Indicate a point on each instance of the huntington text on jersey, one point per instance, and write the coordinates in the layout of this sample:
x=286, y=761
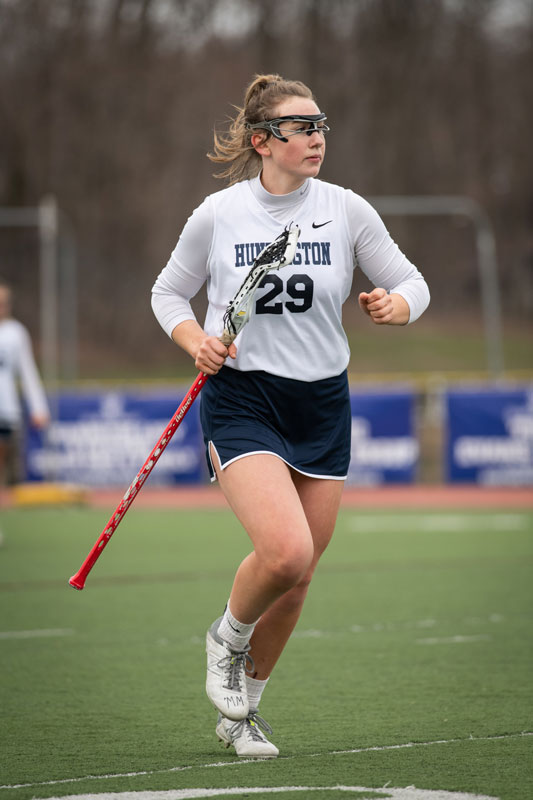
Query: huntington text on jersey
x=308, y=253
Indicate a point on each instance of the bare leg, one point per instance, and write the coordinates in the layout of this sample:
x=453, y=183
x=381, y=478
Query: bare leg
x=262, y=494
x=290, y=519
x=320, y=500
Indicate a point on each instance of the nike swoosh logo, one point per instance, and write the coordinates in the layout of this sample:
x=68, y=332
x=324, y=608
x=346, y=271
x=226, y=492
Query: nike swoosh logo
x=321, y=224
x=233, y=628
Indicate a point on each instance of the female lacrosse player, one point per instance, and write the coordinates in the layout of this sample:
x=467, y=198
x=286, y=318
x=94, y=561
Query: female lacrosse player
x=276, y=413
x=18, y=370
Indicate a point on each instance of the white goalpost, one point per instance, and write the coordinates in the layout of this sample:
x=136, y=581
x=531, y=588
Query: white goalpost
x=451, y=205
x=57, y=285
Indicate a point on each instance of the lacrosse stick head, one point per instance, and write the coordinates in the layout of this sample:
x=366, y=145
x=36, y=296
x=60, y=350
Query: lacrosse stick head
x=277, y=254
x=281, y=251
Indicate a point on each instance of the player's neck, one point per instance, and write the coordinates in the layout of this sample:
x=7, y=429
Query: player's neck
x=281, y=183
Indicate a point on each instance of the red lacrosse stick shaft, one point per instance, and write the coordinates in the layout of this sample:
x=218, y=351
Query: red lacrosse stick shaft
x=78, y=580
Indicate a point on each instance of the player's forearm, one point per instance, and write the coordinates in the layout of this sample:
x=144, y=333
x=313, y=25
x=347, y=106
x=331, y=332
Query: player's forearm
x=384, y=308
x=208, y=352
x=400, y=310
x=415, y=292
x=189, y=335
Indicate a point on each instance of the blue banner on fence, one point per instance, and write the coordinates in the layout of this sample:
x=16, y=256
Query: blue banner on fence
x=490, y=437
x=384, y=445
x=104, y=438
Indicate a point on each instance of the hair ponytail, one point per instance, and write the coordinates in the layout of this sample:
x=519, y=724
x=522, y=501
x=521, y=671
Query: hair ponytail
x=235, y=148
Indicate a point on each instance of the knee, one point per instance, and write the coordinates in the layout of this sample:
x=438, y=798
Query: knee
x=290, y=567
x=294, y=597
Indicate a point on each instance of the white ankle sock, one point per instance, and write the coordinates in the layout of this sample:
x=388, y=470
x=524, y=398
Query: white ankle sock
x=254, y=689
x=236, y=634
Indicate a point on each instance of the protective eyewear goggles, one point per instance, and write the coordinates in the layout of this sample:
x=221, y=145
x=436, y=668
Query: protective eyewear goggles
x=310, y=125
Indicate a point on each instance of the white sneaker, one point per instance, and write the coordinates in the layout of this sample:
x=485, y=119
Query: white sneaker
x=246, y=736
x=226, y=676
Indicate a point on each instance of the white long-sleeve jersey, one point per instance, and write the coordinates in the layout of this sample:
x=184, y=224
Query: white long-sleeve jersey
x=17, y=364
x=296, y=328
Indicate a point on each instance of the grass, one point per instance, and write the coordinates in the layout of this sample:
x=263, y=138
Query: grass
x=434, y=346
x=410, y=664
x=430, y=348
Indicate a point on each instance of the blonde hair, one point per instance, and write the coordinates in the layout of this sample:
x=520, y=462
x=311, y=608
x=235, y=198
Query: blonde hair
x=235, y=148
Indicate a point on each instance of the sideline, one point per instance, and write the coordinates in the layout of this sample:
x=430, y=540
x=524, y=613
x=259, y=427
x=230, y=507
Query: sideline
x=384, y=792
x=36, y=634
x=210, y=497
x=245, y=761
x=379, y=497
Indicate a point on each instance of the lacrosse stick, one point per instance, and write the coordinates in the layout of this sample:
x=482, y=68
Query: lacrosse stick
x=278, y=254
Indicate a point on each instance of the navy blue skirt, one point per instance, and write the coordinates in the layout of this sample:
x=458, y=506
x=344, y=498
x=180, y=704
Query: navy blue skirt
x=308, y=425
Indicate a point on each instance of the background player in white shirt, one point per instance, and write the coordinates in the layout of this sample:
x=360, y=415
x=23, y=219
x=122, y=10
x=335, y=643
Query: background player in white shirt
x=18, y=375
x=276, y=414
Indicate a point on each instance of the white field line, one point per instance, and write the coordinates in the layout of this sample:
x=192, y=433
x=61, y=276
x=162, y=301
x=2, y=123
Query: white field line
x=481, y=637
x=217, y=764
x=407, y=625
x=42, y=633
x=391, y=627
x=410, y=625
x=437, y=523
x=405, y=793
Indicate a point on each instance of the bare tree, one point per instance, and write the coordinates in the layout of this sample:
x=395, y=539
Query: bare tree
x=110, y=105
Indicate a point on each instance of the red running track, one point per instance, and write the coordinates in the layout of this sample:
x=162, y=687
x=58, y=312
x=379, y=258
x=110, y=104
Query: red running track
x=381, y=497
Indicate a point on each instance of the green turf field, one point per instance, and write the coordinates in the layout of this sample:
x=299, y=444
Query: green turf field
x=411, y=665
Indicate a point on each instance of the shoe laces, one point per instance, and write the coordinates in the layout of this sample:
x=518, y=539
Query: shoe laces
x=252, y=725
x=235, y=665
